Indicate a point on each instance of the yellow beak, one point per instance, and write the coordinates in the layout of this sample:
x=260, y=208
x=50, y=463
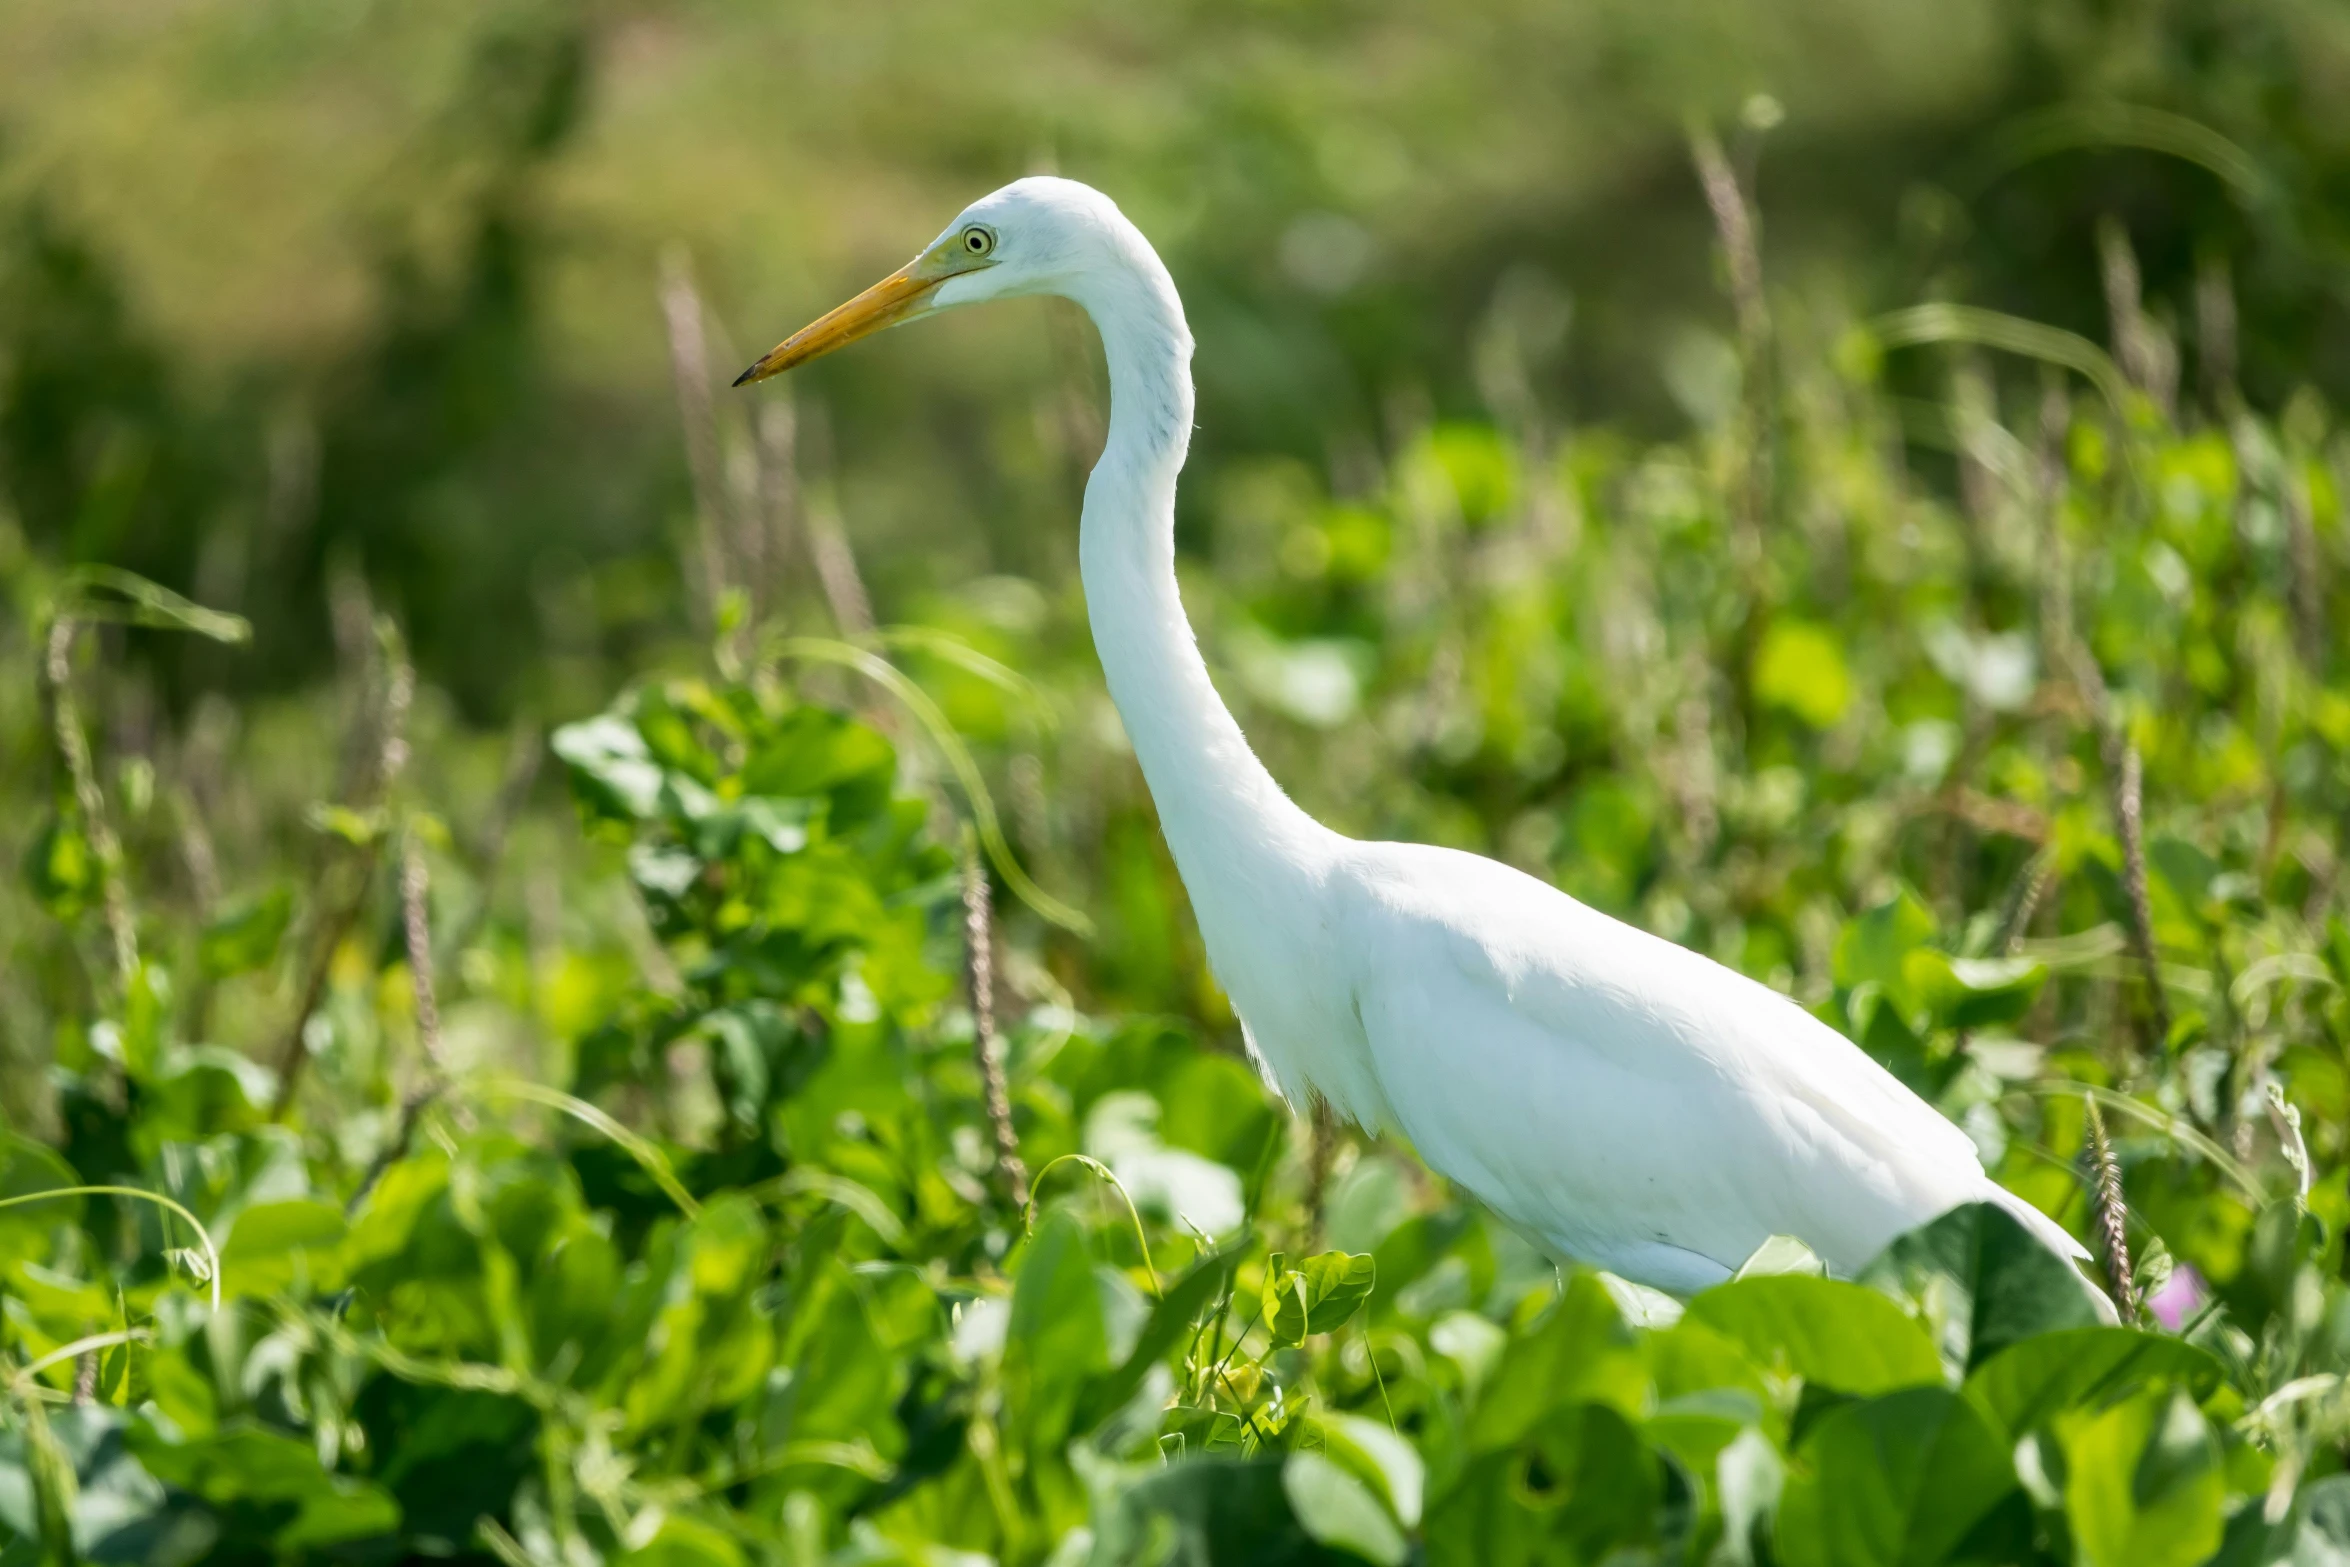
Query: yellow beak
x=895, y=298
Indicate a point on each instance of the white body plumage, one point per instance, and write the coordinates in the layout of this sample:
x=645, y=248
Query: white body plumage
x=1637, y=1106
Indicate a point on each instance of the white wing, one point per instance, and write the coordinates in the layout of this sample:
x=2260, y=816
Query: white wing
x=1638, y=1106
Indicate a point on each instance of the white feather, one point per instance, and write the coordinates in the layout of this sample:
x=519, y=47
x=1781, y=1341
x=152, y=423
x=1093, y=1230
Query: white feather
x=1634, y=1104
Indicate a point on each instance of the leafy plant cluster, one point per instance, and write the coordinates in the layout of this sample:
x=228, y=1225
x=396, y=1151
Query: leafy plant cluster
x=743, y=1160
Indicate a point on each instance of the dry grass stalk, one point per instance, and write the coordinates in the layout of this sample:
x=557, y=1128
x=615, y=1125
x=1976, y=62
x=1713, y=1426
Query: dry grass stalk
x=416, y=930
x=689, y=368
x=2139, y=345
x=343, y=883
x=2305, y=563
x=1739, y=232
x=1321, y=1155
x=2215, y=329
x=2056, y=593
x=2112, y=1213
x=1734, y=222
x=2031, y=888
x=2064, y=651
x=828, y=541
x=986, y=1046
x=416, y=935
x=65, y=722
x=2129, y=820
x=777, y=446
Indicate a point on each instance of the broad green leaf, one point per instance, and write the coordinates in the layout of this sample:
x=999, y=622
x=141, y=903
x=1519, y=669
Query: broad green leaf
x=1381, y=1459
x=611, y=770
x=26, y=1169
x=1316, y=1296
x=1837, y=1334
x=1874, y=942
x=1339, y=1510
x=247, y=936
x=276, y=1246
x=1982, y=992
x=1897, y=1481
x=119, y=1513
x=243, y=1463
x=1581, y=1350
x=1220, y=1509
x=812, y=752
x=1058, y=1338
x=1570, y=1488
x=2144, y=1484
x=2029, y=1383
x=1984, y=1281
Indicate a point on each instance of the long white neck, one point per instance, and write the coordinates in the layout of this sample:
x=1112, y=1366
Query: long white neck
x=1245, y=850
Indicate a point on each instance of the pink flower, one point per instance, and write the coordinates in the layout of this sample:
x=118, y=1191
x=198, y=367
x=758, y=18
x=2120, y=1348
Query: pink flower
x=2181, y=1296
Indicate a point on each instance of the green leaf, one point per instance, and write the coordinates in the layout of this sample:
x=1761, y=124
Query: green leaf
x=2324, y=1524
x=1581, y=1350
x=811, y=752
x=1219, y=1509
x=118, y=1514
x=1058, y=1337
x=1876, y=945
x=357, y=828
x=1983, y=1280
x=2028, y=1384
x=1172, y=1320
x=1570, y=1488
x=246, y=937
x=1984, y=992
x=1837, y=1334
x=2144, y=1484
x=61, y=867
x=273, y=1247
x=26, y=1169
x=245, y=1463
x=612, y=772
x=1896, y=1481
x=109, y=593
x=1316, y=1296
x=1380, y=1458
x=1800, y=668
x=685, y=1542
x=1339, y=1510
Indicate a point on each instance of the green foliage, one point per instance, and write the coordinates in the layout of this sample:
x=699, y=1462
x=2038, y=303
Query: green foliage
x=603, y=1174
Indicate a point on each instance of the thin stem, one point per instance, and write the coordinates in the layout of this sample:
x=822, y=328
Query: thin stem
x=74, y=747
x=1321, y=1150
x=777, y=445
x=2129, y=821
x=345, y=881
x=689, y=367
x=2031, y=888
x=1739, y=232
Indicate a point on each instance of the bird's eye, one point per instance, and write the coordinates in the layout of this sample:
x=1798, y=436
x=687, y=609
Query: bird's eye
x=977, y=241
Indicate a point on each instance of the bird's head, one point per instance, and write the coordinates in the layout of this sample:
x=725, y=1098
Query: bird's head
x=1039, y=235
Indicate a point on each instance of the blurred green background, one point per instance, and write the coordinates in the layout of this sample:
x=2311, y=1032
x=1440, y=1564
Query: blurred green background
x=289, y=282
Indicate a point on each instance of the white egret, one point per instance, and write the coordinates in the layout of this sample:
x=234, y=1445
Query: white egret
x=1635, y=1105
